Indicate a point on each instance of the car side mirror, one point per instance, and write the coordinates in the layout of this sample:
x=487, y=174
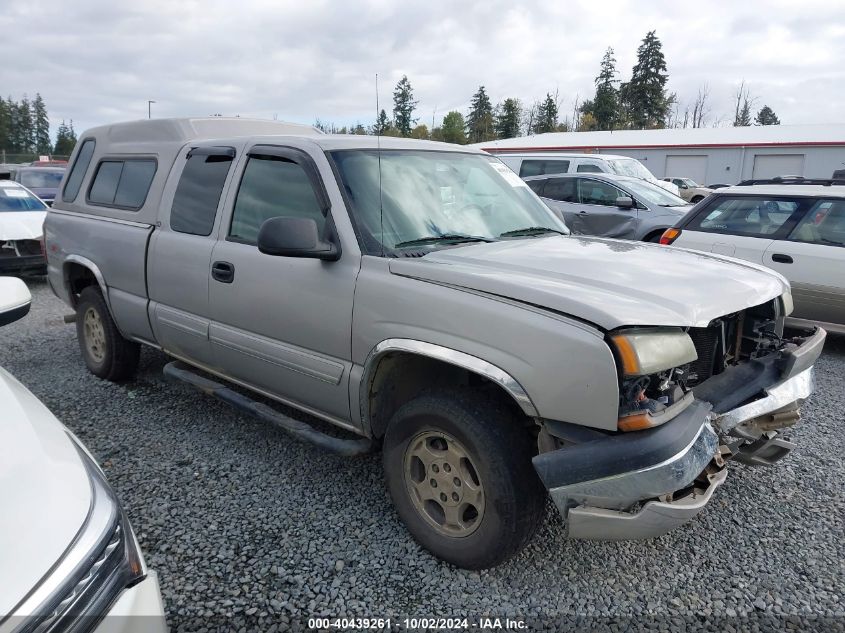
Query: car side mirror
x=624, y=202
x=294, y=237
x=682, y=186
x=14, y=300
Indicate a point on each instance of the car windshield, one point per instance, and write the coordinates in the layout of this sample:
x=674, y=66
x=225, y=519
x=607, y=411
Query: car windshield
x=630, y=167
x=41, y=178
x=689, y=182
x=14, y=198
x=654, y=194
x=431, y=199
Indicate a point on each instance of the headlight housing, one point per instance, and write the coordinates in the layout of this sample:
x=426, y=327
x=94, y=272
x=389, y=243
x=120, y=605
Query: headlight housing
x=103, y=560
x=642, y=352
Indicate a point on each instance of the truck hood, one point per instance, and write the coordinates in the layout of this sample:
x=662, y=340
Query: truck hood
x=45, y=491
x=610, y=283
x=22, y=225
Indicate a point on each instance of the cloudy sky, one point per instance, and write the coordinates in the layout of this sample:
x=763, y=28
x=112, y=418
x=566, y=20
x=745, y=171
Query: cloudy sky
x=100, y=61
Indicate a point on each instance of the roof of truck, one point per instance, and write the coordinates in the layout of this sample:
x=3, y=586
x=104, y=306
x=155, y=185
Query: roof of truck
x=183, y=130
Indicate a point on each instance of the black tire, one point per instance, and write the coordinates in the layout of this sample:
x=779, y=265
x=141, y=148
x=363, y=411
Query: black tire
x=500, y=450
x=697, y=199
x=113, y=357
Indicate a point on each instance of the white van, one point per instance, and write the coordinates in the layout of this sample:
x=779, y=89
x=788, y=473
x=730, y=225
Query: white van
x=539, y=163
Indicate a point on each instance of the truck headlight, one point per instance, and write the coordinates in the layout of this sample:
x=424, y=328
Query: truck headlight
x=646, y=351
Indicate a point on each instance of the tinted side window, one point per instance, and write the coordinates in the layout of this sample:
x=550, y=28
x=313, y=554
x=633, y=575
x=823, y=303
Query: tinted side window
x=272, y=187
x=122, y=183
x=77, y=172
x=536, y=186
x=198, y=193
x=597, y=192
x=587, y=168
x=562, y=189
x=540, y=167
x=746, y=215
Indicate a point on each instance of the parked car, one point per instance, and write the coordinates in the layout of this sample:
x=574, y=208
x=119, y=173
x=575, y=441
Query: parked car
x=690, y=190
x=44, y=182
x=420, y=296
x=21, y=229
x=543, y=163
x=70, y=557
x=610, y=206
x=796, y=227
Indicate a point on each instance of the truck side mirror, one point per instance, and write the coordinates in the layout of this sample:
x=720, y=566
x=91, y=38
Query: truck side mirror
x=624, y=202
x=14, y=300
x=294, y=237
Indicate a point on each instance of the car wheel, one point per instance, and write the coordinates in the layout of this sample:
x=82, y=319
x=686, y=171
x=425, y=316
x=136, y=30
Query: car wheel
x=697, y=199
x=459, y=471
x=106, y=353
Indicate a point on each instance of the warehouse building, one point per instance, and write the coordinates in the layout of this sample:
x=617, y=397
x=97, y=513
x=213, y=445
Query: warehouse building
x=724, y=155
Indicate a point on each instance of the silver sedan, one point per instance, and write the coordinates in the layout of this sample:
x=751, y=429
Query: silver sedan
x=608, y=205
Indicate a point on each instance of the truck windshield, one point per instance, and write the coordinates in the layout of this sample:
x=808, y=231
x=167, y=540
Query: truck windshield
x=433, y=194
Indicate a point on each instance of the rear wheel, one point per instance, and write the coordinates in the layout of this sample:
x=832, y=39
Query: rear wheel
x=459, y=471
x=105, y=352
x=697, y=199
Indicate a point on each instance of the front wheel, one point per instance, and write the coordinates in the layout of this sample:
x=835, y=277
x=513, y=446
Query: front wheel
x=459, y=471
x=106, y=353
x=697, y=199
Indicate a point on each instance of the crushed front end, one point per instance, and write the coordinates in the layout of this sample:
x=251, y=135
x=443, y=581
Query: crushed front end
x=690, y=400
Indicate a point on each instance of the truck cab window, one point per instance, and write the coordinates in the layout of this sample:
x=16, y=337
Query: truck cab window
x=272, y=187
x=198, y=193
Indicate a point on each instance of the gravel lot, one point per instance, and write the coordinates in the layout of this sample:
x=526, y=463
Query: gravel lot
x=245, y=525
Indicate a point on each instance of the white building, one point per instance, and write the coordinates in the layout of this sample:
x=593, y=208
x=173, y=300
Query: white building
x=724, y=155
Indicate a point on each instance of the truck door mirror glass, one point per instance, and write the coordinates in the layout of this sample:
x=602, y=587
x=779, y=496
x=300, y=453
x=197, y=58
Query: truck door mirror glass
x=294, y=237
x=624, y=202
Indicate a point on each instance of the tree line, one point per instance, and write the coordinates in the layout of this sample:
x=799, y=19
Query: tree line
x=25, y=129
x=642, y=102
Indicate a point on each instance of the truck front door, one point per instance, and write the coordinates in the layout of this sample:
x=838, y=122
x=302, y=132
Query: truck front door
x=282, y=325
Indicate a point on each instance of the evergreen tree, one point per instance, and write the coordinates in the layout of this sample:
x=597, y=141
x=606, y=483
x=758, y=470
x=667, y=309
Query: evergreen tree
x=480, y=120
x=645, y=100
x=5, y=124
x=766, y=116
x=452, y=129
x=508, y=118
x=546, y=116
x=403, y=106
x=359, y=129
x=382, y=123
x=743, y=119
x=26, y=127
x=605, y=105
x=41, y=126
x=65, y=139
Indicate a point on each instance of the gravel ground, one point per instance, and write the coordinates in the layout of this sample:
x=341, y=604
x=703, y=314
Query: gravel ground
x=246, y=526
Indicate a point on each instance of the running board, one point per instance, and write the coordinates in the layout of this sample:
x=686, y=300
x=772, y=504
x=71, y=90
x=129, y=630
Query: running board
x=177, y=370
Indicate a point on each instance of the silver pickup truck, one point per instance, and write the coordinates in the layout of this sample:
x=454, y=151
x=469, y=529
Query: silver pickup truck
x=420, y=296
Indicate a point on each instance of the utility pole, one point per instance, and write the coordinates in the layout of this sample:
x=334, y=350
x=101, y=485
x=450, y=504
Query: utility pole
x=150, y=109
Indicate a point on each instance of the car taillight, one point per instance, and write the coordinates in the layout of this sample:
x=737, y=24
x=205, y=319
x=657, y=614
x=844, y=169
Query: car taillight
x=669, y=236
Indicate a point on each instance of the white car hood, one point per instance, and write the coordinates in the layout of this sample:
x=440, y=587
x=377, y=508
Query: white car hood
x=45, y=491
x=22, y=225
x=611, y=283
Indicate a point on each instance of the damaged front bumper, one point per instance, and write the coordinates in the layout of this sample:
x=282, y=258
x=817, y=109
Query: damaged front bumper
x=645, y=483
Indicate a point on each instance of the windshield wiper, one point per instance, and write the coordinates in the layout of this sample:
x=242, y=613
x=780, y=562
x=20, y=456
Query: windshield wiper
x=455, y=238
x=530, y=230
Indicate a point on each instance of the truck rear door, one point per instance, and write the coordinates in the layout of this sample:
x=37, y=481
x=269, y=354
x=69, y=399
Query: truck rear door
x=180, y=251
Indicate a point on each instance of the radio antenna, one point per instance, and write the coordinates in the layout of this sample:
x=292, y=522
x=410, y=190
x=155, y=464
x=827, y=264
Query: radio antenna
x=378, y=153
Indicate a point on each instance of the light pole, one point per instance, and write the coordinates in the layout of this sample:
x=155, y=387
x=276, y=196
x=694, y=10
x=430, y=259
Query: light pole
x=150, y=109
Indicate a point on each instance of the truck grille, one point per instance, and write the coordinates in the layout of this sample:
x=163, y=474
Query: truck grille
x=707, y=342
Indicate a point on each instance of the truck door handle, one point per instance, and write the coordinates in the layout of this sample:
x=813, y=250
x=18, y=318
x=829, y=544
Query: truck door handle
x=782, y=259
x=223, y=272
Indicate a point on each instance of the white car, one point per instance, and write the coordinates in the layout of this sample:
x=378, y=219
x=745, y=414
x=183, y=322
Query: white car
x=21, y=230
x=528, y=164
x=796, y=227
x=69, y=560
